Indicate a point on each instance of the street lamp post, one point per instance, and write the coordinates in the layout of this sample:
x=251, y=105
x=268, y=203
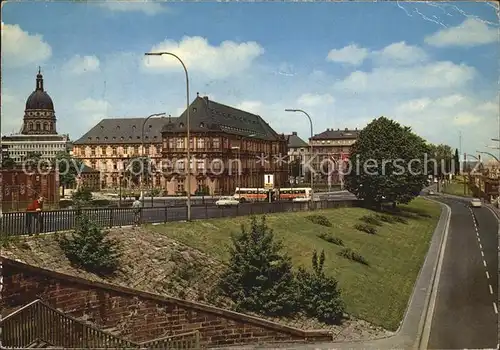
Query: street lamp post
x=311, y=145
x=238, y=185
x=143, y=152
x=188, y=126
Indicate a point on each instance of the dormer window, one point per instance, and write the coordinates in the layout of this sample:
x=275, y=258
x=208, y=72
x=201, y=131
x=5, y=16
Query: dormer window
x=202, y=125
x=97, y=138
x=181, y=125
x=118, y=127
x=102, y=126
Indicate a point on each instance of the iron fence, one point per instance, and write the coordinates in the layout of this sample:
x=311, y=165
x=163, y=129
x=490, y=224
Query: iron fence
x=37, y=323
x=22, y=223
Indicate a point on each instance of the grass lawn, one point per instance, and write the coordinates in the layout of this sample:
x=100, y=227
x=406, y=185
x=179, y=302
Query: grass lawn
x=457, y=189
x=378, y=293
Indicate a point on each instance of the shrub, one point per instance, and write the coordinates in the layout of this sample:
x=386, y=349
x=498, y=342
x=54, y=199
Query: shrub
x=331, y=239
x=386, y=218
x=8, y=240
x=65, y=203
x=318, y=294
x=372, y=220
x=101, y=202
x=400, y=219
x=82, y=195
x=319, y=219
x=259, y=277
x=366, y=228
x=90, y=248
x=348, y=253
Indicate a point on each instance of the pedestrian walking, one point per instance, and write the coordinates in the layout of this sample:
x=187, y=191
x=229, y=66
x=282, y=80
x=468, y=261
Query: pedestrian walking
x=137, y=205
x=34, y=214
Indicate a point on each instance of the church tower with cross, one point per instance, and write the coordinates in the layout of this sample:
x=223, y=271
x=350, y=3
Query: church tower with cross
x=39, y=114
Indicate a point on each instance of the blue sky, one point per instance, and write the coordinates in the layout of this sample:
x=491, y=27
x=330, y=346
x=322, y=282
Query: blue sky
x=432, y=66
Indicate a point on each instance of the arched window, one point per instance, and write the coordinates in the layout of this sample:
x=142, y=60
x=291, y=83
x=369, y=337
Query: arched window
x=46, y=126
x=30, y=126
x=38, y=126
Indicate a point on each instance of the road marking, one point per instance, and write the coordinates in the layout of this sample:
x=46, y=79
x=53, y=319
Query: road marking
x=495, y=307
x=480, y=246
x=479, y=239
x=487, y=275
x=428, y=314
x=482, y=254
x=484, y=263
x=491, y=289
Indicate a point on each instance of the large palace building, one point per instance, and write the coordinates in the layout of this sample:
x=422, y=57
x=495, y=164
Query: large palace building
x=229, y=148
x=38, y=132
x=112, y=144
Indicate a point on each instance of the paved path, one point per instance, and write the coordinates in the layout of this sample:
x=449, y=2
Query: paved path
x=465, y=313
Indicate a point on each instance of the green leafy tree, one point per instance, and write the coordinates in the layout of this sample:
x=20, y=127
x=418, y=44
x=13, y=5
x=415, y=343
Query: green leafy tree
x=319, y=294
x=32, y=159
x=443, y=155
x=259, y=277
x=82, y=195
x=90, y=248
x=69, y=169
x=8, y=162
x=385, y=151
x=137, y=167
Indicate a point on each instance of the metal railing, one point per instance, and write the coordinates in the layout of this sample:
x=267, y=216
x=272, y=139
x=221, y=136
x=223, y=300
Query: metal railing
x=21, y=223
x=37, y=322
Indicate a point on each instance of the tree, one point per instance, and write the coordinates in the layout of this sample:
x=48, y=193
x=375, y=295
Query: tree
x=82, y=195
x=140, y=166
x=443, y=155
x=384, y=163
x=319, y=295
x=8, y=162
x=456, y=159
x=259, y=277
x=69, y=168
x=89, y=247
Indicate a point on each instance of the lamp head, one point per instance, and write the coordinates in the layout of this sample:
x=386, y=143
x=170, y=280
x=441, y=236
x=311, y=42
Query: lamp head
x=290, y=110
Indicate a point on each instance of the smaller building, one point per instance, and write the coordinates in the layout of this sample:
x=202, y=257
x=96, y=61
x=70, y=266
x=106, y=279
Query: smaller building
x=19, y=188
x=298, y=152
x=330, y=147
x=89, y=178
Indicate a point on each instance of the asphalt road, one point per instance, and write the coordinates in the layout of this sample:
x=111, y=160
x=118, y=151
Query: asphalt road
x=465, y=314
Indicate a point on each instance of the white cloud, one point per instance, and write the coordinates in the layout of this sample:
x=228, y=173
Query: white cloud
x=471, y=32
x=351, y=54
x=82, y=64
x=400, y=54
x=149, y=8
x=12, y=107
x=92, y=111
x=255, y=107
x=309, y=100
x=20, y=48
x=435, y=75
x=200, y=56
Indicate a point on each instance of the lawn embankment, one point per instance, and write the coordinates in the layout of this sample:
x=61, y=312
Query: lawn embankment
x=377, y=291
x=456, y=188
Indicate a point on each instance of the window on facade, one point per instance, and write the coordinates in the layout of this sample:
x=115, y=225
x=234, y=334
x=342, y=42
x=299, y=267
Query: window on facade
x=200, y=143
x=171, y=144
x=38, y=126
x=180, y=164
x=216, y=143
x=217, y=165
x=180, y=187
x=180, y=143
x=114, y=151
x=191, y=143
x=200, y=164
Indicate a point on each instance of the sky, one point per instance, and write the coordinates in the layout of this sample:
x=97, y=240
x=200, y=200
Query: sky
x=431, y=66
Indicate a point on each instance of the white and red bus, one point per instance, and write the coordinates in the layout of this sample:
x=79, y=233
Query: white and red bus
x=251, y=194
x=290, y=194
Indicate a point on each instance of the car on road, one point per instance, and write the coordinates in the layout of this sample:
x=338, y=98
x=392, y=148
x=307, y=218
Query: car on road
x=476, y=203
x=227, y=202
x=431, y=193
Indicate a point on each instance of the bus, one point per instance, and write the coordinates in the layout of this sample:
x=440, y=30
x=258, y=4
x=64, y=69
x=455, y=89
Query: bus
x=251, y=194
x=295, y=194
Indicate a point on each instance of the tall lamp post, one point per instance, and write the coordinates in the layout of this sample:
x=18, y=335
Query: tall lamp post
x=311, y=146
x=143, y=151
x=188, y=126
x=238, y=184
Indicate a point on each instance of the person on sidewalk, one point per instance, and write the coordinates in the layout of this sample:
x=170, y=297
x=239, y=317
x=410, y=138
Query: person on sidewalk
x=34, y=213
x=137, y=206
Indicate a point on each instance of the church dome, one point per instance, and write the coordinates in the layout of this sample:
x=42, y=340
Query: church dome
x=39, y=99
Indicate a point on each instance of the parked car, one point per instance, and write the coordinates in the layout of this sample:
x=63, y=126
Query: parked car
x=476, y=203
x=226, y=202
x=431, y=193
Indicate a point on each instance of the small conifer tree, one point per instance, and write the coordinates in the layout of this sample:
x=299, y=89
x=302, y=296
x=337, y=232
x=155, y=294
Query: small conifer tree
x=90, y=248
x=319, y=295
x=259, y=277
